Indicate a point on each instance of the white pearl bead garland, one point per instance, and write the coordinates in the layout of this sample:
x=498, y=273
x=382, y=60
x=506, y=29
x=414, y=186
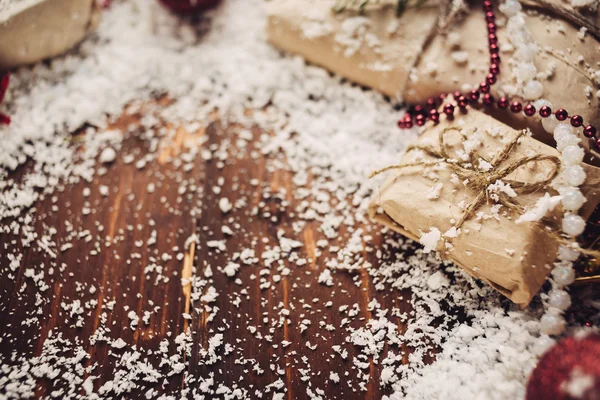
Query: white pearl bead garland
x=573, y=175
x=524, y=73
x=559, y=299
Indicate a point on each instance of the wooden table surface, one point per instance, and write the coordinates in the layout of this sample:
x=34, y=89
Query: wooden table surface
x=114, y=258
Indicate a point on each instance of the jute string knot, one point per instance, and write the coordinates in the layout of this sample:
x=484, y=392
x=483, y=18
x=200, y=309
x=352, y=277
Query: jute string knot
x=478, y=180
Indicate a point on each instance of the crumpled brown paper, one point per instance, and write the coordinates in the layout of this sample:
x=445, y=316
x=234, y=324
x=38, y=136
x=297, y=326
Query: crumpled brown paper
x=514, y=258
x=412, y=61
x=376, y=50
x=33, y=30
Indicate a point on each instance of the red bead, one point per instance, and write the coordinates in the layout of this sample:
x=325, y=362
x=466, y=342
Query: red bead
x=516, y=107
x=502, y=102
x=449, y=110
x=463, y=101
x=597, y=143
x=561, y=114
x=484, y=87
x=430, y=102
x=589, y=131
x=545, y=111
x=400, y=124
x=474, y=95
x=490, y=17
x=420, y=119
x=494, y=49
x=494, y=69
x=487, y=5
x=434, y=115
x=529, y=110
x=417, y=109
x=492, y=38
x=576, y=121
x=442, y=97
x=456, y=95
x=491, y=27
x=408, y=123
x=488, y=99
x=495, y=59
x=490, y=79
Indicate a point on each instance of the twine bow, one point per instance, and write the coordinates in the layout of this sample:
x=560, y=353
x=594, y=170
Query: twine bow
x=478, y=180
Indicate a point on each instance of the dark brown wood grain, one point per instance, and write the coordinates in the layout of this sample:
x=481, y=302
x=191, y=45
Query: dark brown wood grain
x=118, y=275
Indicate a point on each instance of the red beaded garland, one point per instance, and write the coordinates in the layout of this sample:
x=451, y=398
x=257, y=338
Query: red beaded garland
x=561, y=114
x=488, y=99
x=545, y=111
x=529, y=110
x=589, y=131
x=516, y=107
x=420, y=114
x=484, y=87
x=576, y=121
x=449, y=110
x=434, y=115
x=474, y=95
x=495, y=59
x=502, y=102
x=494, y=69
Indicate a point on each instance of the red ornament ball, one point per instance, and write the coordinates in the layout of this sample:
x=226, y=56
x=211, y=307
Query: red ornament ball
x=188, y=6
x=569, y=370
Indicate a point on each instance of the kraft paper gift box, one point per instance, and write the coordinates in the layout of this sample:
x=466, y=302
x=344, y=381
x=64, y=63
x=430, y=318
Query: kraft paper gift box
x=515, y=258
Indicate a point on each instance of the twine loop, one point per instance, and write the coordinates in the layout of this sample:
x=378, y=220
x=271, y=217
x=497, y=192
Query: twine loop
x=478, y=180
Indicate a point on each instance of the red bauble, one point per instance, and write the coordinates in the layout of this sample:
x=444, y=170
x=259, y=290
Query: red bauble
x=569, y=370
x=188, y=6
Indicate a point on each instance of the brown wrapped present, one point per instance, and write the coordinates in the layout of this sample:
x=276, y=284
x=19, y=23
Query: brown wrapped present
x=32, y=30
x=469, y=189
x=411, y=59
x=375, y=49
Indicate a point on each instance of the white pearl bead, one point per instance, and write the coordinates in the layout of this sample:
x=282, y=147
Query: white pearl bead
x=543, y=343
x=563, y=275
x=525, y=53
x=572, y=199
x=559, y=299
x=510, y=8
x=533, y=90
x=550, y=123
x=562, y=129
x=552, y=324
x=565, y=140
x=566, y=253
x=575, y=175
x=573, y=224
x=573, y=155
